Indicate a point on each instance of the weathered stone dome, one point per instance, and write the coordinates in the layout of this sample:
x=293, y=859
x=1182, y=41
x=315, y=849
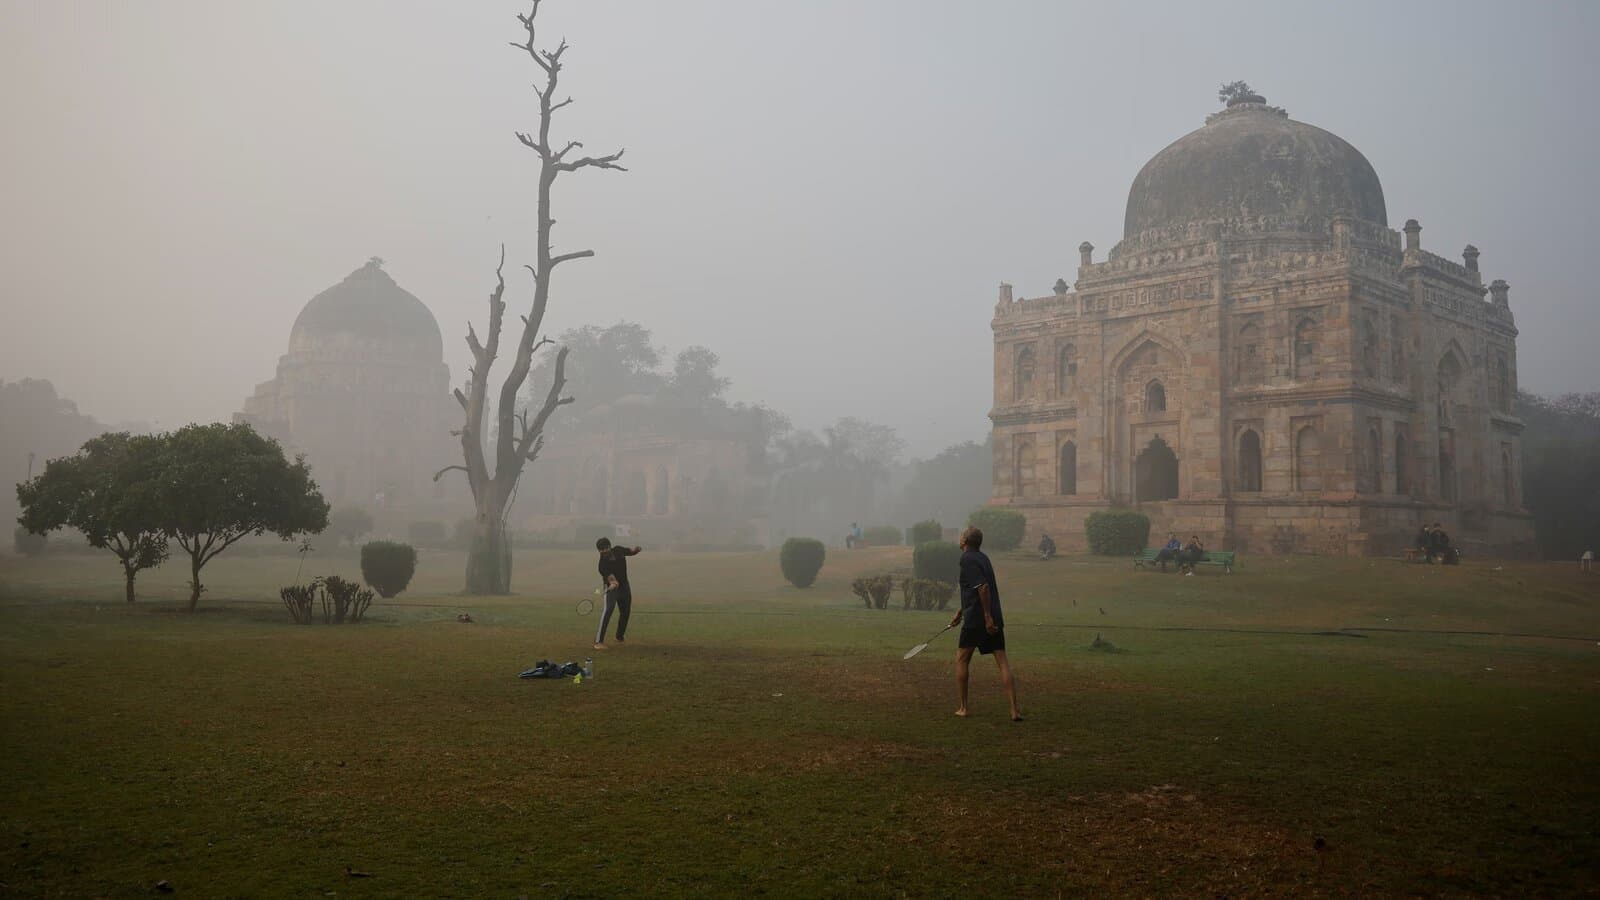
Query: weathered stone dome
x=369, y=310
x=1252, y=160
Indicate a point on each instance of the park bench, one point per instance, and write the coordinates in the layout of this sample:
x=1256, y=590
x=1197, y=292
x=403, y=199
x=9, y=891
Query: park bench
x=1223, y=559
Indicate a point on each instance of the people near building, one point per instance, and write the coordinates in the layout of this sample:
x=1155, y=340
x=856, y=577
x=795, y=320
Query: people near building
x=1192, y=553
x=1047, y=546
x=1440, y=546
x=1586, y=561
x=982, y=624
x=1425, y=542
x=1169, y=551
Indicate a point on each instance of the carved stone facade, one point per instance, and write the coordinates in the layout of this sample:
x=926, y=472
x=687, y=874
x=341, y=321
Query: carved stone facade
x=1263, y=362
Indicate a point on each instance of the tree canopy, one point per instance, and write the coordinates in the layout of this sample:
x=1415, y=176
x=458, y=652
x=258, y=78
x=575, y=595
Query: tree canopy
x=108, y=492
x=221, y=483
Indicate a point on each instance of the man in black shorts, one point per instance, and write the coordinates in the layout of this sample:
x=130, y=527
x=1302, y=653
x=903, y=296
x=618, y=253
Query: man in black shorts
x=619, y=596
x=982, y=625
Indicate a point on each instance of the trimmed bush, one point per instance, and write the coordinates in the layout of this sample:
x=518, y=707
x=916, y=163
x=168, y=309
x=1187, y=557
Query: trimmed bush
x=937, y=561
x=427, y=534
x=388, y=566
x=873, y=590
x=1002, y=528
x=882, y=536
x=1117, y=532
x=925, y=531
x=28, y=543
x=918, y=593
x=801, y=559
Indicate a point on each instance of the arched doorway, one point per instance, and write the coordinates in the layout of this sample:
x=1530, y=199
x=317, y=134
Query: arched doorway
x=1447, y=475
x=1068, y=483
x=1156, y=472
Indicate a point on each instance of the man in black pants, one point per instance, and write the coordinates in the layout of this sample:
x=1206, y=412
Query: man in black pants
x=619, y=596
x=982, y=623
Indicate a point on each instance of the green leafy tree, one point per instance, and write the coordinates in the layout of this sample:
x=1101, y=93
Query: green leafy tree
x=107, y=492
x=220, y=483
x=1233, y=90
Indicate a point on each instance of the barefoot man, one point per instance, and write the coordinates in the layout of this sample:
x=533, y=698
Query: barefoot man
x=982, y=626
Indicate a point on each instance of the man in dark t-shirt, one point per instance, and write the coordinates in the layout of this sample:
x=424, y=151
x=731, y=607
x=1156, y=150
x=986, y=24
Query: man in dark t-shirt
x=982, y=623
x=619, y=595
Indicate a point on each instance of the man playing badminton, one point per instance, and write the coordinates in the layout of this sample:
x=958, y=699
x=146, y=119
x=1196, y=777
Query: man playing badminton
x=619, y=596
x=982, y=625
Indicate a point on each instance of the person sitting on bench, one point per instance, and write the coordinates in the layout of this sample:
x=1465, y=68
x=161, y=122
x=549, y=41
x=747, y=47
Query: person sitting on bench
x=1441, y=547
x=1425, y=543
x=1192, y=554
x=1170, y=550
x=1047, y=547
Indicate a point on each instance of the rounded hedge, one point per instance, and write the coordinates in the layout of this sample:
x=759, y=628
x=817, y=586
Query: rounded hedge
x=1002, y=528
x=801, y=559
x=1117, y=532
x=388, y=566
x=925, y=531
x=937, y=561
x=882, y=536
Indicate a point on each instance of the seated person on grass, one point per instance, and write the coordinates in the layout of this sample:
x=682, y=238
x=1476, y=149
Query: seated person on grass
x=1425, y=543
x=1047, y=547
x=1169, y=550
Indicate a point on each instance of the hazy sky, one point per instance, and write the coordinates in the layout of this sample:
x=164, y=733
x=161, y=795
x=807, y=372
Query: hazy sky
x=826, y=193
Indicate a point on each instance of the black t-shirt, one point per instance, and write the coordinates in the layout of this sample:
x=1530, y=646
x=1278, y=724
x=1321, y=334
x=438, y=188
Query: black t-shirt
x=975, y=570
x=614, y=563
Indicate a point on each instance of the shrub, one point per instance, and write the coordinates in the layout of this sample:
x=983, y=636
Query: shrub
x=874, y=590
x=27, y=542
x=882, y=536
x=298, y=598
x=388, y=566
x=920, y=593
x=937, y=561
x=1002, y=528
x=925, y=531
x=350, y=600
x=426, y=534
x=801, y=560
x=1117, y=532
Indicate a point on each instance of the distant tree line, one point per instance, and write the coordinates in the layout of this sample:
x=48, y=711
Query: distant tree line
x=1561, y=471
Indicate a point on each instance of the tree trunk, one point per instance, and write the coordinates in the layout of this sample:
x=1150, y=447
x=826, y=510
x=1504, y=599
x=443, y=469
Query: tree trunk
x=127, y=575
x=489, y=559
x=194, y=583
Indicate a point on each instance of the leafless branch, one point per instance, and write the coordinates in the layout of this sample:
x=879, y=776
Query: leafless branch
x=566, y=257
x=598, y=162
x=440, y=473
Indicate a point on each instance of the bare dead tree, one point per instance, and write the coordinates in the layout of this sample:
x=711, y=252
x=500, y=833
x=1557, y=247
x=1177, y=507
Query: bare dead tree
x=519, y=436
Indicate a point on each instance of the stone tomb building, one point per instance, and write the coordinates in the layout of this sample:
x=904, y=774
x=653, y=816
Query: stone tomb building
x=364, y=393
x=1263, y=361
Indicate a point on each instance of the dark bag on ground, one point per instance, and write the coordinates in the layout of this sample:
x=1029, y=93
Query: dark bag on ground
x=544, y=668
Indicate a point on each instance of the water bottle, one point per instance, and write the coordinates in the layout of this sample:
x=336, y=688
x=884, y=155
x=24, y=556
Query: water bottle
x=588, y=667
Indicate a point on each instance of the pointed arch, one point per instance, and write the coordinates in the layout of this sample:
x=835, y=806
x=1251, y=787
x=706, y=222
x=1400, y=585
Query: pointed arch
x=1156, y=471
x=1249, y=461
x=1307, y=337
x=1369, y=345
x=1066, y=369
x=1248, y=364
x=1447, y=377
x=1023, y=369
x=1168, y=347
x=1307, y=459
x=1402, y=461
x=1067, y=469
x=1155, y=397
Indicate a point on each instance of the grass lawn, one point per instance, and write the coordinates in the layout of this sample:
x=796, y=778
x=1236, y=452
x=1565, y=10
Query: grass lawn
x=1437, y=728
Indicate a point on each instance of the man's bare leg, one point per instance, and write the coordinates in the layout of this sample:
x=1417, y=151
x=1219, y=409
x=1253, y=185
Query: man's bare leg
x=963, y=665
x=1009, y=682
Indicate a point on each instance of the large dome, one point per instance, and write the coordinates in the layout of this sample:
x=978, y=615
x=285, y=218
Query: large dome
x=1251, y=160
x=370, y=309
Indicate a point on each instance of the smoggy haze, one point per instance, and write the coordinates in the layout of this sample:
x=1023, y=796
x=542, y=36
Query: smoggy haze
x=824, y=193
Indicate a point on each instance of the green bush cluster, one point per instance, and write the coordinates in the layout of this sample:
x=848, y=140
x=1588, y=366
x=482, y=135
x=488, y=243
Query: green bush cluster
x=937, y=561
x=388, y=566
x=881, y=536
x=920, y=593
x=342, y=601
x=1002, y=528
x=874, y=590
x=1117, y=532
x=925, y=531
x=801, y=559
